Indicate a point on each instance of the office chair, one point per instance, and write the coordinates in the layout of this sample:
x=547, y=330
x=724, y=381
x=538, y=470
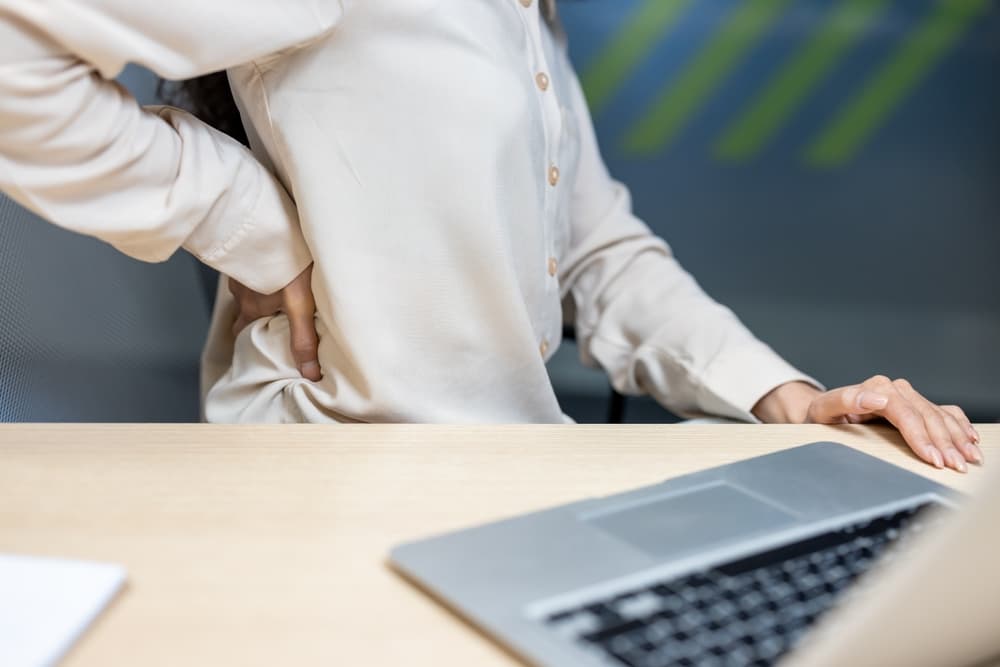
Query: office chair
x=88, y=334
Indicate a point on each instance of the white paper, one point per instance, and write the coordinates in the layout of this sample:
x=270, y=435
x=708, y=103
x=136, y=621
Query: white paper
x=47, y=603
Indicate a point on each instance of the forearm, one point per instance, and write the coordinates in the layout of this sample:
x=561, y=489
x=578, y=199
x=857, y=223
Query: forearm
x=79, y=151
x=655, y=331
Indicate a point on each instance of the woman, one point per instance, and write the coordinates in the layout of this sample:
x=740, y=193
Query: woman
x=448, y=184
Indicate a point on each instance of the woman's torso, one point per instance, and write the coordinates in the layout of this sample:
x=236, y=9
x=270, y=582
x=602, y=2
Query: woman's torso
x=431, y=153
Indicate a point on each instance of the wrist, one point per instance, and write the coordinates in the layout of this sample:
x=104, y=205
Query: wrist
x=786, y=404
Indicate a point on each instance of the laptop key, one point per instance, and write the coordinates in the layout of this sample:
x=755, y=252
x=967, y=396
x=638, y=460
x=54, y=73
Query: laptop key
x=639, y=605
x=748, y=611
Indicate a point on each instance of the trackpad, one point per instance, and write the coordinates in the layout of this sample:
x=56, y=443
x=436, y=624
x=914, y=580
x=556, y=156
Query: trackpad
x=691, y=520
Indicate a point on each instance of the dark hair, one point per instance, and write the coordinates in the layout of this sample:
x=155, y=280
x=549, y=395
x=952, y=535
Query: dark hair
x=209, y=98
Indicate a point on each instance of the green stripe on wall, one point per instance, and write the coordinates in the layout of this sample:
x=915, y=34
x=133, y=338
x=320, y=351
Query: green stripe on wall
x=630, y=45
x=786, y=92
x=885, y=89
x=684, y=96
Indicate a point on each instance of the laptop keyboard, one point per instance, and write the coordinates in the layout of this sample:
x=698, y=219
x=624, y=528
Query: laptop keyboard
x=746, y=612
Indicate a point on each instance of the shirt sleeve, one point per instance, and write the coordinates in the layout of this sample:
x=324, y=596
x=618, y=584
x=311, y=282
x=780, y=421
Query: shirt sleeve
x=78, y=150
x=640, y=316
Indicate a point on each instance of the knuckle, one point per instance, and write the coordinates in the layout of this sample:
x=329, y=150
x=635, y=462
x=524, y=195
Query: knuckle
x=955, y=411
x=902, y=385
x=878, y=381
x=936, y=422
x=303, y=340
x=949, y=419
x=304, y=348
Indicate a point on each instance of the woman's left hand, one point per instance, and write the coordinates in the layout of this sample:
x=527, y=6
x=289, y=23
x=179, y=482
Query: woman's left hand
x=939, y=434
x=295, y=300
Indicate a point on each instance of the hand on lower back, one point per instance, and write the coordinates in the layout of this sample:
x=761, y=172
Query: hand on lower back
x=296, y=301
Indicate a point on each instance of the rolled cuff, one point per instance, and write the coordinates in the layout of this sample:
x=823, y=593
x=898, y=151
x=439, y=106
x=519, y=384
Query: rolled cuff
x=737, y=379
x=266, y=252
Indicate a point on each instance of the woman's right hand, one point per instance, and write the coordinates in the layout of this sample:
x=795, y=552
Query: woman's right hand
x=296, y=301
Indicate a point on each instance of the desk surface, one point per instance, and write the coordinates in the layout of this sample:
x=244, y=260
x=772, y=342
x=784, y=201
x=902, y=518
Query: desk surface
x=267, y=545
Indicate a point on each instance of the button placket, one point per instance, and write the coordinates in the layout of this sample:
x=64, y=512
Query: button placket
x=551, y=116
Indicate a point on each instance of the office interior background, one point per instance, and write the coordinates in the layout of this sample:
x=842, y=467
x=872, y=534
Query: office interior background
x=829, y=169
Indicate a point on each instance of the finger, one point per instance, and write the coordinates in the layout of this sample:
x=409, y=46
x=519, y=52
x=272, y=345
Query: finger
x=260, y=305
x=234, y=287
x=253, y=306
x=956, y=447
x=305, y=340
x=248, y=309
x=963, y=421
x=240, y=324
x=272, y=305
x=942, y=436
x=911, y=425
x=960, y=437
x=839, y=405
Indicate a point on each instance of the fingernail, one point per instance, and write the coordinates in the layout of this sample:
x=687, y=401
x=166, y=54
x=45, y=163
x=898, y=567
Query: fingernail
x=956, y=461
x=975, y=436
x=309, y=369
x=871, y=401
x=935, y=457
x=977, y=454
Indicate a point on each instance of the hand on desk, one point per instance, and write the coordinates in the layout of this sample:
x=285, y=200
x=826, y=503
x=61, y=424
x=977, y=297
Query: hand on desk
x=296, y=301
x=939, y=434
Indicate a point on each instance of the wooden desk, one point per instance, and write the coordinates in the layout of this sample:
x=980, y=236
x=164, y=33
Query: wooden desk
x=267, y=545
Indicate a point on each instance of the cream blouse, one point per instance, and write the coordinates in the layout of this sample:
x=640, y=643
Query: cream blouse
x=446, y=182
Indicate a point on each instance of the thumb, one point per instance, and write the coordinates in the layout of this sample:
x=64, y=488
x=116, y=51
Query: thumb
x=301, y=313
x=300, y=308
x=836, y=405
x=305, y=345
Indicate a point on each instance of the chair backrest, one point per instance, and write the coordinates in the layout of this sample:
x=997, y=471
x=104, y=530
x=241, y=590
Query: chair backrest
x=88, y=334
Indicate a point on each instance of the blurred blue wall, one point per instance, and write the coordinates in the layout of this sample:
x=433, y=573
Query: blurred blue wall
x=828, y=168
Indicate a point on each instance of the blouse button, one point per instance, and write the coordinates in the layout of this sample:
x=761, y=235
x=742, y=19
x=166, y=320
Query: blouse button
x=542, y=79
x=526, y=3
x=553, y=175
x=543, y=347
x=553, y=267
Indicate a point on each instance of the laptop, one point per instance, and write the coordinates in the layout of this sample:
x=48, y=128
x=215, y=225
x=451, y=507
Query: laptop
x=735, y=565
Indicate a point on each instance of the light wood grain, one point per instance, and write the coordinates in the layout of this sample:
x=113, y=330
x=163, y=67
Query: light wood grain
x=267, y=545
